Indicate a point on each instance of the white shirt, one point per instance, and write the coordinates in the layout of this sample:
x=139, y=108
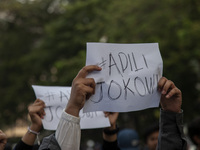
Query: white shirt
x=68, y=133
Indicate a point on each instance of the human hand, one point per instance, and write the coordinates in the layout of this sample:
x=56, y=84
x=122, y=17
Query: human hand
x=112, y=118
x=82, y=89
x=36, y=113
x=171, y=97
x=112, y=130
x=3, y=140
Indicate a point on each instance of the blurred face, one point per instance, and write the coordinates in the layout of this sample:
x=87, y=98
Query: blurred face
x=152, y=140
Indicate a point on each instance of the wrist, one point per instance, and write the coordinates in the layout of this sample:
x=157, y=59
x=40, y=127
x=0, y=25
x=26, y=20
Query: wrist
x=111, y=130
x=178, y=110
x=35, y=128
x=33, y=131
x=110, y=134
x=112, y=127
x=72, y=110
x=172, y=112
x=30, y=139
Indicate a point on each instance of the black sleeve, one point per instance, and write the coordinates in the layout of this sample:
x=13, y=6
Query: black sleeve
x=171, y=136
x=110, y=145
x=22, y=146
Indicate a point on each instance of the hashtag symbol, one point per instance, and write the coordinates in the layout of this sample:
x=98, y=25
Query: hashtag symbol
x=102, y=63
x=50, y=96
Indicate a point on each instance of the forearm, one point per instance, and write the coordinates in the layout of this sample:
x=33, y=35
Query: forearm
x=171, y=134
x=110, y=145
x=29, y=138
x=110, y=138
x=23, y=146
x=68, y=132
x=31, y=135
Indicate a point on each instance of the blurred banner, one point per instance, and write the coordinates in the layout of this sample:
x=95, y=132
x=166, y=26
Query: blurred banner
x=56, y=99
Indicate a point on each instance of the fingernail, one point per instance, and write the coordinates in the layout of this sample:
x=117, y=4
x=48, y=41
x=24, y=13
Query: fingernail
x=163, y=92
x=167, y=96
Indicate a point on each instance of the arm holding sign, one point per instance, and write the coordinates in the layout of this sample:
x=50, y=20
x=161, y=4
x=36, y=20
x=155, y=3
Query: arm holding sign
x=110, y=133
x=36, y=113
x=68, y=132
x=171, y=134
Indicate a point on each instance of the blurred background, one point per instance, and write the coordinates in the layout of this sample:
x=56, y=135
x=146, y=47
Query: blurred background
x=44, y=42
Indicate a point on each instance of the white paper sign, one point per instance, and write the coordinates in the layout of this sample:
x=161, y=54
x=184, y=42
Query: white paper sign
x=128, y=79
x=56, y=99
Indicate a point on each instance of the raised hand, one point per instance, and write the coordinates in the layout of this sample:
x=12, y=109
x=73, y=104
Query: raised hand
x=36, y=113
x=171, y=98
x=82, y=89
x=112, y=118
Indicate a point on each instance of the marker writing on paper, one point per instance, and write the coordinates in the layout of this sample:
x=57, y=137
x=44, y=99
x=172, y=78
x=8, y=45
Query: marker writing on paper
x=135, y=86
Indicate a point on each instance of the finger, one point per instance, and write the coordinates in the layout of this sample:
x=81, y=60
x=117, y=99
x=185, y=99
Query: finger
x=106, y=114
x=173, y=92
x=161, y=83
x=167, y=87
x=87, y=69
x=36, y=109
x=90, y=82
x=39, y=102
x=89, y=91
x=34, y=106
x=42, y=114
x=86, y=82
x=116, y=113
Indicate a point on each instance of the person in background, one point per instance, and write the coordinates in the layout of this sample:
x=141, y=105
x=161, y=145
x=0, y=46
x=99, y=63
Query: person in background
x=128, y=139
x=36, y=113
x=151, y=136
x=194, y=132
x=3, y=140
x=116, y=139
x=110, y=133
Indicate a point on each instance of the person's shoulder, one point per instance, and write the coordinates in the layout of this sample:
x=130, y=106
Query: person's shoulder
x=49, y=143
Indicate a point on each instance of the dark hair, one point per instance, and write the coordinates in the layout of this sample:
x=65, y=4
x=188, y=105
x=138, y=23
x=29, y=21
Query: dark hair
x=149, y=130
x=194, y=129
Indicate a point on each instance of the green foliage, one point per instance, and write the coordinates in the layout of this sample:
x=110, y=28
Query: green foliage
x=43, y=42
x=21, y=27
